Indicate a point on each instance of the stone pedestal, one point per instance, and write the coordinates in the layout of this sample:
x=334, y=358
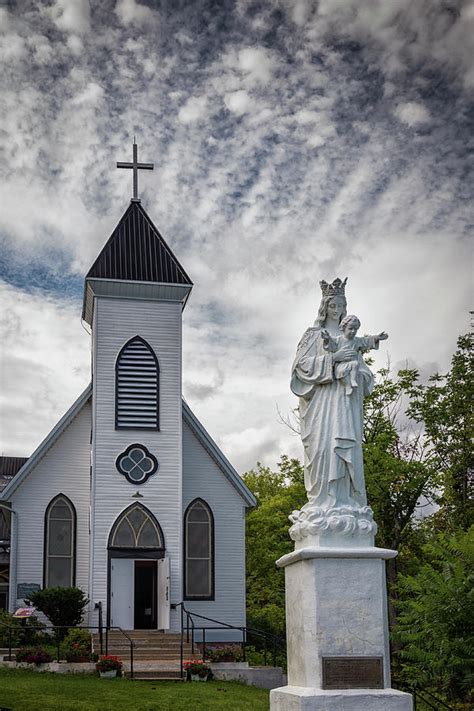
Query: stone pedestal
x=337, y=631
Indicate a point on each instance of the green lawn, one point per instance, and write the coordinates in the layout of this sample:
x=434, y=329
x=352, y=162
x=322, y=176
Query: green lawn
x=22, y=690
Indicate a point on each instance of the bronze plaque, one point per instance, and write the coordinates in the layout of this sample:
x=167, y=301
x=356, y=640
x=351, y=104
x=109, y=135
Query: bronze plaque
x=352, y=673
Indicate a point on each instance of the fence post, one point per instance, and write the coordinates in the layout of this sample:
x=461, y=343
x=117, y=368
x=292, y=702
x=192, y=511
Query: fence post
x=204, y=643
x=101, y=627
x=9, y=644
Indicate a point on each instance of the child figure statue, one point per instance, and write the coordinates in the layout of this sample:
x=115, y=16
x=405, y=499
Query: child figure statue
x=353, y=364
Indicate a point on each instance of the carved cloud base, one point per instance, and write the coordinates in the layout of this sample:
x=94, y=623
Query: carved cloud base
x=343, y=526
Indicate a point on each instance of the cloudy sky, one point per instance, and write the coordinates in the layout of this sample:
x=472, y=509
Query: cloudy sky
x=293, y=141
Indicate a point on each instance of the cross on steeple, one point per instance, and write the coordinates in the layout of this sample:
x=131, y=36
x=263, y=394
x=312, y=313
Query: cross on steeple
x=135, y=166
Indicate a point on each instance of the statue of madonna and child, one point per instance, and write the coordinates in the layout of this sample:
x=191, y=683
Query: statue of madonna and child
x=331, y=380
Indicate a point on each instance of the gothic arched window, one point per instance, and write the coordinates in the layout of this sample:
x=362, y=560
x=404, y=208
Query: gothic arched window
x=137, y=385
x=60, y=543
x=198, y=552
x=136, y=527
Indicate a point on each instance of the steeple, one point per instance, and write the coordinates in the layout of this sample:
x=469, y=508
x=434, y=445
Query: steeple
x=135, y=262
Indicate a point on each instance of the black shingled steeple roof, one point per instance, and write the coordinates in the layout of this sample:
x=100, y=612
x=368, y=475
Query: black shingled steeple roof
x=135, y=251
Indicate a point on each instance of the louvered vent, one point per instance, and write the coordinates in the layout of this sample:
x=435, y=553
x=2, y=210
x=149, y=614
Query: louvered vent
x=137, y=387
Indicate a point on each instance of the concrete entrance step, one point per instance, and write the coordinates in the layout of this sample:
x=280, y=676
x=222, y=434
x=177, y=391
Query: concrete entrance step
x=155, y=675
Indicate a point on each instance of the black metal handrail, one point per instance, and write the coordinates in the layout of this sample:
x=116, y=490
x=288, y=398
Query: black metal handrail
x=265, y=636
x=130, y=641
x=41, y=627
x=433, y=702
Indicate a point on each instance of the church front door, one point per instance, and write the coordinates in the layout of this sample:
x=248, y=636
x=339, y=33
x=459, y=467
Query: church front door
x=121, y=593
x=145, y=602
x=133, y=594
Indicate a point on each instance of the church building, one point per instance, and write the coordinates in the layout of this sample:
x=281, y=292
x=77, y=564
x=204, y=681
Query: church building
x=128, y=497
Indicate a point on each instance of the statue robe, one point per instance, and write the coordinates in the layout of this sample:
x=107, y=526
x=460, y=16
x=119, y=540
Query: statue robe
x=331, y=427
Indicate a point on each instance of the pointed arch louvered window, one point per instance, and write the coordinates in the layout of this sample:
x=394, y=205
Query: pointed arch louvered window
x=137, y=381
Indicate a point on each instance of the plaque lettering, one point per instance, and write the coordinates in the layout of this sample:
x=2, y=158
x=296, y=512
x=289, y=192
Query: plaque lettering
x=352, y=673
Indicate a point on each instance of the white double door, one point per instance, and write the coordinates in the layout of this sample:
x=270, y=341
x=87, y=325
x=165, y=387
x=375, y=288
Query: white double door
x=122, y=593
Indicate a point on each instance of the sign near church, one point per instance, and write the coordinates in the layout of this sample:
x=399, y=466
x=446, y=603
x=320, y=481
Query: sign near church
x=23, y=612
x=24, y=590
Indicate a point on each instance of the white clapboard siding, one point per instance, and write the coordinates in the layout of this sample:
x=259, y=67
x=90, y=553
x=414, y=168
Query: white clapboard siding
x=116, y=321
x=202, y=478
x=64, y=469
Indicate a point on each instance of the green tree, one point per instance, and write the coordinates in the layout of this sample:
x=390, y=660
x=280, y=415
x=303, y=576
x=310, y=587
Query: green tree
x=436, y=618
x=277, y=494
x=445, y=409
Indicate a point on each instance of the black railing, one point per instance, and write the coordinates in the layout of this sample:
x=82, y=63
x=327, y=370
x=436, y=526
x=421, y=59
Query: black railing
x=57, y=638
x=130, y=641
x=427, y=698
x=270, y=643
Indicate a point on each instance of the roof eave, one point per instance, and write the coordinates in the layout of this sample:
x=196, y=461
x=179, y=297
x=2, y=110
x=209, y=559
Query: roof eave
x=131, y=289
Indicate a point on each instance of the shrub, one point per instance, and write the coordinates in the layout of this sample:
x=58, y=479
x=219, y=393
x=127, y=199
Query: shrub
x=77, y=644
x=34, y=655
x=63, y=607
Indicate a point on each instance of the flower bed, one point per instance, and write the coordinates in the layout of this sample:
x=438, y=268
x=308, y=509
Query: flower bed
x=224, y=654
x=33, y=655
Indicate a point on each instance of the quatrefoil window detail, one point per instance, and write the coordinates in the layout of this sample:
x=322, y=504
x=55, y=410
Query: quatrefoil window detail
x=136, y=464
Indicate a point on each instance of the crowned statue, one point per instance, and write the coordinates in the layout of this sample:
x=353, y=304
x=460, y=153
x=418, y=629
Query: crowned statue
x=335, y=586
x=331, y=379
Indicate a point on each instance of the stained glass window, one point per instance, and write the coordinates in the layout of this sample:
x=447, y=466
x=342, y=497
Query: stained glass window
x=199, y=551
x=60, y=543
x=136, y=528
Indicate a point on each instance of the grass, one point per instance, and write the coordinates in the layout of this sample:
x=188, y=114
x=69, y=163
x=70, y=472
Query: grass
x=23, y=690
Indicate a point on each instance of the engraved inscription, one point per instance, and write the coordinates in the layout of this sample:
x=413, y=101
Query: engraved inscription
x=352, y=673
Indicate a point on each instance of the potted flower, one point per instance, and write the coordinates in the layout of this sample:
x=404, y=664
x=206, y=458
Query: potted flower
x=196, y=669
x=109, y=666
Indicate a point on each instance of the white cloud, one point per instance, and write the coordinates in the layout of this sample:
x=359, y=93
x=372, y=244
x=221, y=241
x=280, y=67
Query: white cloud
x=307, y=175
x=239, y=102
x=12, y=48
x=132, y=12
x=256, y=63
x=39, y=336
x=193, y=110
x=70, y=16
x=412, y=113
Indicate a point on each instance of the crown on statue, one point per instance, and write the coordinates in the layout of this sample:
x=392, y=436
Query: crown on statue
x=337, y=288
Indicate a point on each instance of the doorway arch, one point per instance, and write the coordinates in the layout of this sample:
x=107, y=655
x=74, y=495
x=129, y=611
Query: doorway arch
x=136, y=557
